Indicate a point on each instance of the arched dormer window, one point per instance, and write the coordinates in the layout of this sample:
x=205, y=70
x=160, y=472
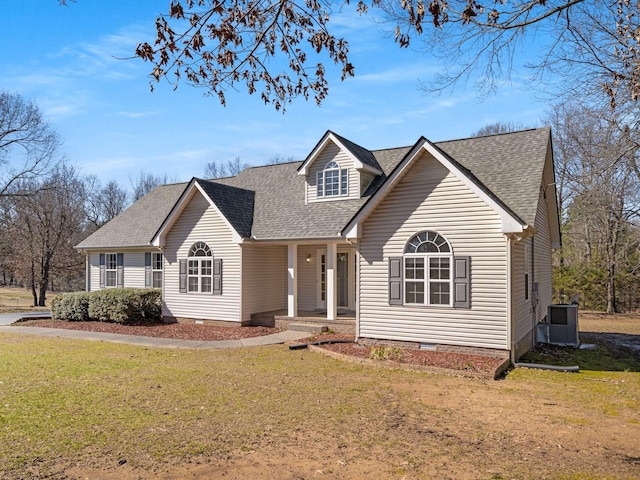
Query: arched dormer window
x=333, y=181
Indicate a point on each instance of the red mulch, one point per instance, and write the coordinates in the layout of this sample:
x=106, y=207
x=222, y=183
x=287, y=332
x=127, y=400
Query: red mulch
x=183, y=331
x=457, y=362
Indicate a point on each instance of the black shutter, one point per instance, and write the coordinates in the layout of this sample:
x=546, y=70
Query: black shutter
x=217, y=276
x=462, y=282
x=120, y=270
x=148, y=277
x=102, y=270
x=183, y=276
x=395, y=281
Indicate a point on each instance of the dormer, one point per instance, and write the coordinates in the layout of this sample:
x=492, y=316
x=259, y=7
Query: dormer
x=337, y=169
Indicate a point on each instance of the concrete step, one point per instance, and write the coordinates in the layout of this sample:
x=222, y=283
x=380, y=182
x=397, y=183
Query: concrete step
x=307, y=327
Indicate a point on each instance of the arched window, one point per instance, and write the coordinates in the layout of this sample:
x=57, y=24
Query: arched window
x=427, y=270
x=200, y=268
x=333, y=181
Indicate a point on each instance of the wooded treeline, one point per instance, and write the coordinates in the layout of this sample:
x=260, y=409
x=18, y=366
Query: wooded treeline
x=598, y=183
x=48, y=206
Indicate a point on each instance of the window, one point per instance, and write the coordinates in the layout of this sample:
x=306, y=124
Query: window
x=111, y=269
x=156, y=270
x=427, y=270
x=200, y=268
x=333, y=181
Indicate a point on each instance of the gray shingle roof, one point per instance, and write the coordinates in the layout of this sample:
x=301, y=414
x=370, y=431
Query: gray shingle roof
x=268, y=202
x=137, y=225
x=361, y=153
x=236, y=204
x=510, y=165
x=280, y=211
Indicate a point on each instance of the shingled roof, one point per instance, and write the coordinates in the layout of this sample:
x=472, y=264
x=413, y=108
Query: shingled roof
x=268, y=202
x=137, y=225
x=236, y=204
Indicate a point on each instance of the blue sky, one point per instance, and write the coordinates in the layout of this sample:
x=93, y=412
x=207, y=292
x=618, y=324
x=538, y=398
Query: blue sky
x=112, y=126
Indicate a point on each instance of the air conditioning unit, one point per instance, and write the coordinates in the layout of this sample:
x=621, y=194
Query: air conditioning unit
x=561, y=327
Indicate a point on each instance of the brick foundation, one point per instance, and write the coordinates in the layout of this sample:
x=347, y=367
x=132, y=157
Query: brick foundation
x=486, y=352
x=215, y=323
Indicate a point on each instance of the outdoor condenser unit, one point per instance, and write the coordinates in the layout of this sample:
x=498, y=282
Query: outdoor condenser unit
x=562, y=325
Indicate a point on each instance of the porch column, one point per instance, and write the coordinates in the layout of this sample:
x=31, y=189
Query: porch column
x=292, y=280
x=332, y=282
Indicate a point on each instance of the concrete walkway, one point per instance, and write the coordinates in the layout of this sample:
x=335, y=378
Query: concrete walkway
x=277, y=338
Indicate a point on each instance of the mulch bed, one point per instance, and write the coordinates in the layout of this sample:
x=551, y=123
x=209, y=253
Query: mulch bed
x=182, y=331
x=437, y=362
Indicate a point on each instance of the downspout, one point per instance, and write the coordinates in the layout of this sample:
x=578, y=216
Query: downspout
x=510, y=334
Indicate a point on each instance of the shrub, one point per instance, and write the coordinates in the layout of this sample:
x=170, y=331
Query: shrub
x=126, y=305
x=122, y=305
x=71, y=306
x=386, y=353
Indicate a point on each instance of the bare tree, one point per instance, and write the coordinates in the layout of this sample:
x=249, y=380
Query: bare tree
x=220, y=170
x=44, y=226
x=217, y=46
x=104, y=202
x=599, y=193
x=499, y=127
x=145, y=182
x=277, y=159
x=28, y=145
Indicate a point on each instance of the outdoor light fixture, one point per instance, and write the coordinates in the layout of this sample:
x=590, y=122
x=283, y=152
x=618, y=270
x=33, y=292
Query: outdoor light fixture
x=309, y=258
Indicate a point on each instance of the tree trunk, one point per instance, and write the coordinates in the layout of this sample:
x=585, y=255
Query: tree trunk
x=33, y=284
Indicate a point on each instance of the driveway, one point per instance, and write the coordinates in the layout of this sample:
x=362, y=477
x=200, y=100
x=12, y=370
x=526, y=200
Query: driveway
x=9, y=318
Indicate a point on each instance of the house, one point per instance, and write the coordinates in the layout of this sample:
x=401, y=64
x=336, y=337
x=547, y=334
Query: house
x=446, y=244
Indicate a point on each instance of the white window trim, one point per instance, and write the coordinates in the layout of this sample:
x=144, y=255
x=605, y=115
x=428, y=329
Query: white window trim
x=107, y=270
x=154, y=270
x=199, y=261
x=321, y=186
x=427, y=280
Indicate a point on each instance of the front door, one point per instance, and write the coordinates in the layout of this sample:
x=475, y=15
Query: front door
x=345, y=279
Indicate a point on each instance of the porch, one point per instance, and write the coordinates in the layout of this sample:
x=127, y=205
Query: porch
x=345, y=322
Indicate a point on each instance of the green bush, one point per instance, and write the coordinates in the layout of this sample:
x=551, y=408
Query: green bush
x=126, y=305
x=118, y=305
x=73, y=307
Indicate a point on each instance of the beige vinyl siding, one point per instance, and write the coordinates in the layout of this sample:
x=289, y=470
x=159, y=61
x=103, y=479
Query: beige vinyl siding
x=543, y=261
x=134, y=270
x=94, y=272
x=331, y=152
x=308, y=277
x=264, y=278
x=522, y=316
x=200, y=222
x=429, y=197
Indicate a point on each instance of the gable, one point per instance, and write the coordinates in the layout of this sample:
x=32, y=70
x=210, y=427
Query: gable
x=233, y=205
x=511, y=223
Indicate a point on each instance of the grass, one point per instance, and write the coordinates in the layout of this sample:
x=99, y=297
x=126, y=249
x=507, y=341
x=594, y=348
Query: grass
x=14, y=299
x=66, y=402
